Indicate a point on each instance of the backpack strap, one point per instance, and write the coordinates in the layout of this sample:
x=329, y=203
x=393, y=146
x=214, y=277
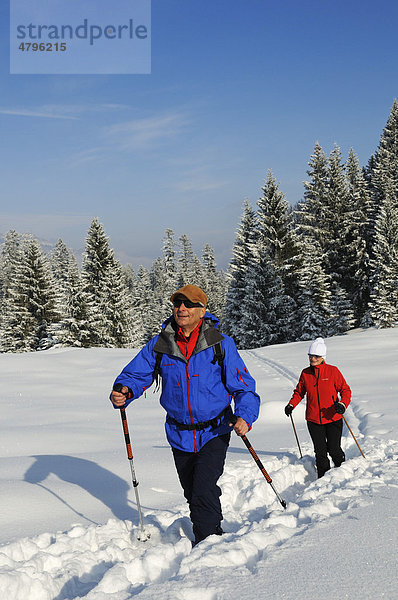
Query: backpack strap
x=157, y=373
x=219, y=358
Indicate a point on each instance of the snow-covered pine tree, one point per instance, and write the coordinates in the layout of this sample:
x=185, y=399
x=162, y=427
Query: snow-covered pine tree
x=275, y=234
x=189, y=266
x=145, y=296
x=241, y=253
x=161, y=305
x=136, y=323
x=170, y=268
x=31, y=309
x=119, y=307
x=368, y=174
x=42, y=297
x=73, y=324
x=10, y=257
x=334, y=211
x=15, y=320
x=97, y=262
x=62, y=261
x=383, y=305
x=341, y=317
x=323, y=220
x=309, y=214
x=214, y=282
x=263, y=304
x=102, y=284
x=170, y=273
x=274, y=222
x=356, y=276
x=313, y=298
x=338, y=263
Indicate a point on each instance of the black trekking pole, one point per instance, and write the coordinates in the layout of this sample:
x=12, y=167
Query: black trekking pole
x=258, y=462
x=295, y=433
x=144, y=535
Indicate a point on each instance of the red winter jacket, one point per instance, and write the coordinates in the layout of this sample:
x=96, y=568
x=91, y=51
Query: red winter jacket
x=322, y=384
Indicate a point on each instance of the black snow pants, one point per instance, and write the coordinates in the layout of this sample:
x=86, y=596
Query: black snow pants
x=327, y=439
x=198, y=473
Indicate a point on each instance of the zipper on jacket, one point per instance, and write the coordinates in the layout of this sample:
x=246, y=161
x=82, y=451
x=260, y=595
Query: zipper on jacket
x=317, y=393
x=189, y=405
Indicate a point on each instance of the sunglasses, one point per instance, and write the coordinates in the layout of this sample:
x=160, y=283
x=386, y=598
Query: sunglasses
x=314, y=356
x=187, y=303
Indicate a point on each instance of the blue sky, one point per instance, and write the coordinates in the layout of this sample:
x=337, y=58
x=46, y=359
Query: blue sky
x=237, y=88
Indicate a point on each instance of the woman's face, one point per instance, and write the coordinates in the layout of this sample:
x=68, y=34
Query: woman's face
x=315, y=360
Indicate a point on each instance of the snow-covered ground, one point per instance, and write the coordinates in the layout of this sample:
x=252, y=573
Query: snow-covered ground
x=67, y=509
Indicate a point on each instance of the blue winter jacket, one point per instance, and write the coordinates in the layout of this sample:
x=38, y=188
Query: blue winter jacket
x=192, y=390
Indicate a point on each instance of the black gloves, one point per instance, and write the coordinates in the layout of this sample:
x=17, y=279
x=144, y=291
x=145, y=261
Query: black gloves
x=339, y=407
x=288, y=410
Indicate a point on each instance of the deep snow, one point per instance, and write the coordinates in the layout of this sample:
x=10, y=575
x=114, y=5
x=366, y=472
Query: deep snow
x=68, y=517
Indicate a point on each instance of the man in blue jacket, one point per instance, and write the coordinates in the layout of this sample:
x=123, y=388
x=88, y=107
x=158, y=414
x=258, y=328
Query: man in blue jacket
x=201, y=372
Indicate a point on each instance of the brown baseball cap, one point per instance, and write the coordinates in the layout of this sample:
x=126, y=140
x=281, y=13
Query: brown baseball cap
x=193, y=293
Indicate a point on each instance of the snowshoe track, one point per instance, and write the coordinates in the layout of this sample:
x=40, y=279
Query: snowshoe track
x=108, y=562
x=277, y=367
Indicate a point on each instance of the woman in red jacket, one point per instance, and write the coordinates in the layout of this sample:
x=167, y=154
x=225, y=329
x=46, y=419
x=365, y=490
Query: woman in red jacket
x=322, y=384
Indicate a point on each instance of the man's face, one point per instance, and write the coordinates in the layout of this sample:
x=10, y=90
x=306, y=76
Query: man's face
x=187, y=318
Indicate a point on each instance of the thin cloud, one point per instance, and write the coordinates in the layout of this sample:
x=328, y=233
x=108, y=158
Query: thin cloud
x=86, y=156
x=62, y=111
x=144, y=133
x=198, y=185
x=131, y=136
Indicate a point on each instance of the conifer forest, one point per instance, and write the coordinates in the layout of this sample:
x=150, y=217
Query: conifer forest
x=320, y=268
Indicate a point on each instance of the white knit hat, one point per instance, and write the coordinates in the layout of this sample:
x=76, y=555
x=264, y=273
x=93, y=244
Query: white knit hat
x=318, y=347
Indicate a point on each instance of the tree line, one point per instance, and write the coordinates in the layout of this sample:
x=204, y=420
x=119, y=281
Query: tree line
x=47, y=300
x=327, y=265
x=322, y=267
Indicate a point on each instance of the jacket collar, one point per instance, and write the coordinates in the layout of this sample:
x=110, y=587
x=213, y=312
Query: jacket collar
x=208, y=336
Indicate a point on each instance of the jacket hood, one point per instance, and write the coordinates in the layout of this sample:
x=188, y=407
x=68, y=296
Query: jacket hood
x=209, y=318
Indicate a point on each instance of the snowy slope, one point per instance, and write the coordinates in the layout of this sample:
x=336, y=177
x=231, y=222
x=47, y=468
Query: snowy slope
x=68, y=518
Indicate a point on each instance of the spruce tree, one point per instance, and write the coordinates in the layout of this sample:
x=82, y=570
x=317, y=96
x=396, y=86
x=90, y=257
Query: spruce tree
x=10, y=261
x=213, y=282
x=149, y=324
x=189, y=266
x=263, y=304
x=313, y=298
x=310, y=214
x=275, y=235
x=383, y=305
x=73, y=325
x=17, y=324
x=241, y=253
x=169, y=262
x=104, y=292
x=161, y=306
x=136, y=321
x=31, y=314
x=356, y=276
